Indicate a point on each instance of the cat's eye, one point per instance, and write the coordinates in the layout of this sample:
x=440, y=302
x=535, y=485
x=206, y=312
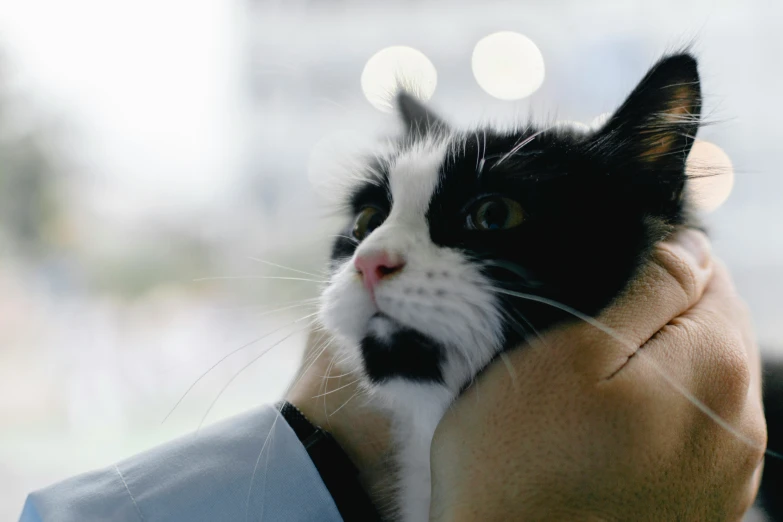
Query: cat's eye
x=495, y=213
x=368, y=220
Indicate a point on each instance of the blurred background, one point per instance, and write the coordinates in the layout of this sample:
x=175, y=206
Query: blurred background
x=152, y=152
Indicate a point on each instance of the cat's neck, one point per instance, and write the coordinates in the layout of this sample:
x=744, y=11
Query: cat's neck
x=416, y=410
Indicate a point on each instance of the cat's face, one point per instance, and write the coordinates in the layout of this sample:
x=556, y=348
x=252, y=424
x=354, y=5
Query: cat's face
x=447, y=223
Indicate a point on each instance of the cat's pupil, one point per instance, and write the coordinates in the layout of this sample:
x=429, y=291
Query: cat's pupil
x=494, y=215
x=368, y=220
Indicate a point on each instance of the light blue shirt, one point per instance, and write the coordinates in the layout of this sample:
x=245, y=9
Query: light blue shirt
x=220, y=474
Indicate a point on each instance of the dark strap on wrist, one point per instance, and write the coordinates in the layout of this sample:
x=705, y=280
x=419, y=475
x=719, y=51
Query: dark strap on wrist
x=338, y=473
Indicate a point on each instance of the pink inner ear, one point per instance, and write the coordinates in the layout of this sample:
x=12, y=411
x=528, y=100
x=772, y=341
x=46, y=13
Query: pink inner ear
x=665, y=128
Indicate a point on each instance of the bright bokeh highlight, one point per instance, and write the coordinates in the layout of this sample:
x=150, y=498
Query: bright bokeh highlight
x=394, y=67
x=711, y=175
x=508, y=65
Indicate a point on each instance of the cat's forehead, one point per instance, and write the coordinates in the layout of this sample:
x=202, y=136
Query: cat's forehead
x=408, y=175
x=414, y=172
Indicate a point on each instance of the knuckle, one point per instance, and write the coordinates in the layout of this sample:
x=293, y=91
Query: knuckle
x=679, y=270
x=724, y=358
x=732, y=369
x=756, y=454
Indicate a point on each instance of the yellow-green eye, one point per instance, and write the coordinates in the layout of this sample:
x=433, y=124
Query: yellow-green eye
x=368, y=220
x=495, y=213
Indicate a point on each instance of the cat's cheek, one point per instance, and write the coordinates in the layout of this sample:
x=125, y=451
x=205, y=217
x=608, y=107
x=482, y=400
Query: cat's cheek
x=346, y=308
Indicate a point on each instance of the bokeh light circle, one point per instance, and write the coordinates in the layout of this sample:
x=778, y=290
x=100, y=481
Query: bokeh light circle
x=711, y=175
x=394, y=67
x=508, y=65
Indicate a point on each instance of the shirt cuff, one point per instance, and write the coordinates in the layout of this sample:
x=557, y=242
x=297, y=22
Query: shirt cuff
x=249, y=467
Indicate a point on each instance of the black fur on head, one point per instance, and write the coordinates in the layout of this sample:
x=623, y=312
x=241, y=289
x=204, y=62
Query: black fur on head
x=594, y=202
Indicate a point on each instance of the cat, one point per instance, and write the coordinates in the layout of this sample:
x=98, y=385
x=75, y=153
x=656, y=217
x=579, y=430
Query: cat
x=458, y=241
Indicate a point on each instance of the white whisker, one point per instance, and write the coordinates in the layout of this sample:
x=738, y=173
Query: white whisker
x=229, y=354
x=518, y=147
x=242, y=278
x=255, y=468
x=317, y=352
x=511, y=372
x=245, y=367
x=306, y=302
x=346, y=402
x=285, y=267
x=336, y=389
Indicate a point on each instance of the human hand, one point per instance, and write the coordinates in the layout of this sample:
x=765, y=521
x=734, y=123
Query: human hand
x=330, y=397
x=580, y=426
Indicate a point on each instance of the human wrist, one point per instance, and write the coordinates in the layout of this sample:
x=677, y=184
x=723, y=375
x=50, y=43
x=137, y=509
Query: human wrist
x=330, y=398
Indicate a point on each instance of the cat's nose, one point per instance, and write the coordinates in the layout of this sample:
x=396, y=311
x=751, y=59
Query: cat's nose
x=374, y=266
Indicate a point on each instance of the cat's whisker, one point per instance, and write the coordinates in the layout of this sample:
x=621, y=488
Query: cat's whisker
x=243, y=278
x=480, y=165
x=255, y=469
x=349, y=238
x=324, y=384
x=336, y=376
x=245, y=367
x=333, y=102
x=229, y=354
x=336, y=389
x=284, y=267
x=519, y=146
x=345, y=403
x=514, y=322
x=263, y=312
x=511, y=371
x=478, y=149
x=316, y=354
x=306, y=302
x=519, y=327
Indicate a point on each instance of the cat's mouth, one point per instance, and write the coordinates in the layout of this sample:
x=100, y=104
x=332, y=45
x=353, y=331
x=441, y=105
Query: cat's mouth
x=391, y=350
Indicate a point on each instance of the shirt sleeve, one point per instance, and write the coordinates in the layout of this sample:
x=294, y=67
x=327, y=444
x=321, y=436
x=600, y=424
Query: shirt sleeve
x=248, y=468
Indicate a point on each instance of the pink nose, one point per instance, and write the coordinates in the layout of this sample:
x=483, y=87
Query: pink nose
x=374, y=266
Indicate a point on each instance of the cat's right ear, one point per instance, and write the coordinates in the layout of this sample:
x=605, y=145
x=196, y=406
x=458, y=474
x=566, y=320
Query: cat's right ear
x=416, y=117
x=655, y=127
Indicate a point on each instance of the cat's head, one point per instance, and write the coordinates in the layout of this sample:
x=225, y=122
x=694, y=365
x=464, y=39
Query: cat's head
x=444, y=224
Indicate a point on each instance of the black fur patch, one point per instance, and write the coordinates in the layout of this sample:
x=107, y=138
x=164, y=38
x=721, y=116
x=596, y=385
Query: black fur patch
x=594, y=205
x=407, y=354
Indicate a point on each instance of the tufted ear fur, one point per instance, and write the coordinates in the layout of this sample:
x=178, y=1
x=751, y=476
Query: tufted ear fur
x=653, y=130
x=416, y=117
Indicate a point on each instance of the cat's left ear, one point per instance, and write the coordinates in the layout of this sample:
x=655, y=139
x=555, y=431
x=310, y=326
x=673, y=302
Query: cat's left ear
x=655, y=127
x=416, y=117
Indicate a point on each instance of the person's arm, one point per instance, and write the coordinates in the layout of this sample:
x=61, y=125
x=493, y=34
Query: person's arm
x=251, y=467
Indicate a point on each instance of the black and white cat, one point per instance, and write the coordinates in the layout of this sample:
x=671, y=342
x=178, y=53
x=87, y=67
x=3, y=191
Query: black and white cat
x=452, y=236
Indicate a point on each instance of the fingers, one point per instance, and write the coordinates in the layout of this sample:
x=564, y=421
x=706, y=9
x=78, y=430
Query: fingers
x=666, y=287
x=710, y=347
x=708, y=355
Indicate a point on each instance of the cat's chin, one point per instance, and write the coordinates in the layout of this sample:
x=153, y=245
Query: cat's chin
x=391, y=351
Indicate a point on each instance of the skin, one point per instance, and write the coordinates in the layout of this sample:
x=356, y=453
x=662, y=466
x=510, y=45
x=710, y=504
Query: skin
x=580, y=426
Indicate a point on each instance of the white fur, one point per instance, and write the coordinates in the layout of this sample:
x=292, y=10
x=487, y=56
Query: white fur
x=439, y=293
